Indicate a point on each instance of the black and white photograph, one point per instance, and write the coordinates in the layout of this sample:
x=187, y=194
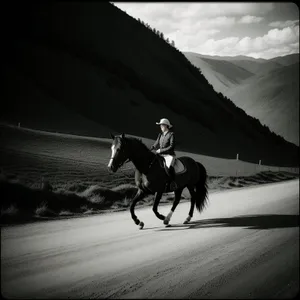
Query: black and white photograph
x=149, y=150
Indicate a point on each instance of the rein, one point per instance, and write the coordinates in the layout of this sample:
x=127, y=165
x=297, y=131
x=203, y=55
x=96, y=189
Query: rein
x=125, y=162
x=121, y=164
x=155, y=157
x=129, y=159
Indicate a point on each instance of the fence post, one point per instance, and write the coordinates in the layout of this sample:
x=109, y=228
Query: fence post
x=237, y=156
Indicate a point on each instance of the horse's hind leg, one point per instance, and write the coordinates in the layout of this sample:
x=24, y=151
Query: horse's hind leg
x=193, y=201
x=175, y=203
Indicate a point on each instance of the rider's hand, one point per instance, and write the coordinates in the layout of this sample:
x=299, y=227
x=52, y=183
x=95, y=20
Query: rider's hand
x=158, y=151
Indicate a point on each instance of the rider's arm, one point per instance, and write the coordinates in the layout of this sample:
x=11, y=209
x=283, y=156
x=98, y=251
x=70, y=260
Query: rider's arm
x=171, y=146
x=156, y=144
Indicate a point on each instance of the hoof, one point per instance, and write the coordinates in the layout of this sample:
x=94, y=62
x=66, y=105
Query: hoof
x=166, y=221
x=168, y=225
x=141, y=225
x=188, y=219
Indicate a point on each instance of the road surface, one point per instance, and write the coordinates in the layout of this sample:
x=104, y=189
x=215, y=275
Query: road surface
x=244, y=245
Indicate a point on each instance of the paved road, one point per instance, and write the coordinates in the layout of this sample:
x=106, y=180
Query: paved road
x=244, y=245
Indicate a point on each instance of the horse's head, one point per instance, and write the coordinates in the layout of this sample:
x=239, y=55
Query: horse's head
x=119, y=153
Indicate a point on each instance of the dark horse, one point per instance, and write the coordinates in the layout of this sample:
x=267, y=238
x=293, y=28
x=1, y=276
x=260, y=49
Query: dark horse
x=151, y=178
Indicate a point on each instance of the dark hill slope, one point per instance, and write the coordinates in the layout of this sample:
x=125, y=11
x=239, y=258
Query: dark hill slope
x=98, y=62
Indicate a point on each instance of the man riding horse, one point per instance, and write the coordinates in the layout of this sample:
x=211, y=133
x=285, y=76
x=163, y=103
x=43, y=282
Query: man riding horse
x=150, y=176
x=165, y=146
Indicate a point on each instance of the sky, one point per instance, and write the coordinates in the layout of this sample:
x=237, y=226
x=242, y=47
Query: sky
x=260, y=30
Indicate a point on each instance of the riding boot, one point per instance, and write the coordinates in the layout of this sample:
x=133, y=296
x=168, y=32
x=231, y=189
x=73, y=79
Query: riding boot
x=173, y=185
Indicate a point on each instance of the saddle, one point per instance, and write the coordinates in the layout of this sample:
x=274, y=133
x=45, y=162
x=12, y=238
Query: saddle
x=179, y=167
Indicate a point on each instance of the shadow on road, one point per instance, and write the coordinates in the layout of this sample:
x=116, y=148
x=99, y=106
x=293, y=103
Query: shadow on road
x=247, y=221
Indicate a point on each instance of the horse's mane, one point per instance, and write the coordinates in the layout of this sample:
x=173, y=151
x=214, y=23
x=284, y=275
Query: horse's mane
x=138, y=142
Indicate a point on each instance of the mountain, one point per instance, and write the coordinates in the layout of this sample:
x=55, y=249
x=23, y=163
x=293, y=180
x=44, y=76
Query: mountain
x=228, y=58
x=249, y=64
x=90, y=60
x=273, y=98
x=221, y=74
x=269, y=92
x=286, y=60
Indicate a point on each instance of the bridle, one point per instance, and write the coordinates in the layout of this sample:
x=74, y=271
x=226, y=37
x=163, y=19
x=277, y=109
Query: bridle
x=129, y=159
x=122, y=163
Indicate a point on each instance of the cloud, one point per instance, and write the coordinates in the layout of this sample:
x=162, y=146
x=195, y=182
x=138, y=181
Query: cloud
x=196, y=27
x=286, y=35
x=191, y=18
x=250, y=19
x=151, y=12
x=233, y=9
x=283, y=24
x=275, y=42
x=217, y=22
x=188, y=34
x=186, y=40
x=218, y=45
x=274, y=52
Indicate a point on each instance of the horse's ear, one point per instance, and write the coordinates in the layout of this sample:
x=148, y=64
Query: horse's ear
x=112, y=136
x=122, y=135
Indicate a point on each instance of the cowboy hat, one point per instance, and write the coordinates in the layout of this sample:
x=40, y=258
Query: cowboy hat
x=164, y=121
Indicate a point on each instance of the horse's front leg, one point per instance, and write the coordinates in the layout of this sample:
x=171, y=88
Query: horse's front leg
x=139, y=195
x=157, y=198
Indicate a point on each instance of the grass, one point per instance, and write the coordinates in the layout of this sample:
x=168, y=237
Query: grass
x=65, y=213
x=43, y=211
x=9, y=211
x=22, y=203
x=81, y=184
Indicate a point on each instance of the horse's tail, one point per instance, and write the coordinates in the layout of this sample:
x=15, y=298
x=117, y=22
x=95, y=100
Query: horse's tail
x=201, y=188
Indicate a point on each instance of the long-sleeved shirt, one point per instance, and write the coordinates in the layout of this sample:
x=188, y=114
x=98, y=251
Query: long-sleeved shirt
x=166, y=143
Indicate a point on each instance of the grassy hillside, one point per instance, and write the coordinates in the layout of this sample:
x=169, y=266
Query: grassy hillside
x=227, y=72
x=269, y=94
x=250, y=64
x=95, y=61
x=38, y=109
x=286, y=60
x=278, y=61
x=76, y=169
x=221, y=74
x=257, y=66
x=273, y=98
x=23, y=204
